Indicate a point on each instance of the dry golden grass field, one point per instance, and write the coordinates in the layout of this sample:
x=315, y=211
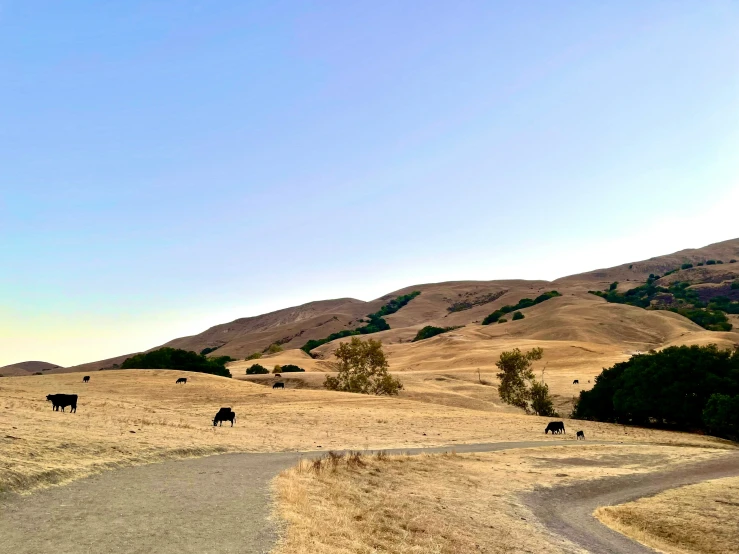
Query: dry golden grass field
x=139, y=416
x=696, y=519
x=448, y=503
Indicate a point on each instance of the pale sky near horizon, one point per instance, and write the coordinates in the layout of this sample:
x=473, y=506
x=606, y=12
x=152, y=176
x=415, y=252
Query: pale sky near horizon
x=166, y=165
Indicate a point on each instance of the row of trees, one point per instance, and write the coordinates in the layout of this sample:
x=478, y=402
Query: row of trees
x=431, y=331
x=259, y=369
x=175, y=358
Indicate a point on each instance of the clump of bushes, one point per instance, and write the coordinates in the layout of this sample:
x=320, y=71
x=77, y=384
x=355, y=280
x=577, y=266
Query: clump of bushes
x=686, y=266
x=208, y=350
x=431, y=331
x=289, y=368
x=686, y=387
x=523, y=303
x=517, y=316
x=254, y=356
x=175, y=358
x=257, y=369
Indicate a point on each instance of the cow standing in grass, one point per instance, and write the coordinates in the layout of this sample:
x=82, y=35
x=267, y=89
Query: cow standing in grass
x=556, y=427
x=182, y=380
x=224, y=414
x=62, y=401
x=86, y=379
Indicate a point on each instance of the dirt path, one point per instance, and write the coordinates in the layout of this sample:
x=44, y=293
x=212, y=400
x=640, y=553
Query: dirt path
x=220, y=504
x=567, y=511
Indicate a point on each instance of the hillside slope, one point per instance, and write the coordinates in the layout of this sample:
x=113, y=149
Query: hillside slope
x=574, y=318
x=26, y=368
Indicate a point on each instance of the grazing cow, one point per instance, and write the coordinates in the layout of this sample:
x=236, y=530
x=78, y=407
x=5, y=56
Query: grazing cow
x=576, y=382
x=277, y=375
x=224, y=414
x=278, y=386
x=580, y=435
x=182, y=380
x=556, y=427
x=62, y=401
x=86, y=379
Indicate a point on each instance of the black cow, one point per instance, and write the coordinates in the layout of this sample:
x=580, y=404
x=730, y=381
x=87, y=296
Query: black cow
x=556, y=427
x=278, y=386
x=576, y=382
x=86, y=379
x=62, y=401
x=277, y=375
x=580, y=435
x=224, y=414
x=182, y=380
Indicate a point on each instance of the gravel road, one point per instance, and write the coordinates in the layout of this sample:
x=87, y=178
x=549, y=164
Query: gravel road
x=220, y=504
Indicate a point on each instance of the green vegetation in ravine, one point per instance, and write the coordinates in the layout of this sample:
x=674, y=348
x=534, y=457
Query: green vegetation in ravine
x=374, y=324
x=431, y=331
x=523, y=303
x=684, y=387
x=175, y=358
x=677, y=297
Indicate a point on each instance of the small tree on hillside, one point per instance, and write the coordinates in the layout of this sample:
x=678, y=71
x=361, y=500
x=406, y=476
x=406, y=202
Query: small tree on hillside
x=515, y=376
x=541, y=401
x=362, y=367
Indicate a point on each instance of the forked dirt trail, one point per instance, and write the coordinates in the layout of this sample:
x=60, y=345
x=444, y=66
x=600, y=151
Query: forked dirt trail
x=221, y=504
x=567, y=511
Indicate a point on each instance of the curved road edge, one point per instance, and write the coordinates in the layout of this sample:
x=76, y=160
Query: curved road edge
x=567, y=511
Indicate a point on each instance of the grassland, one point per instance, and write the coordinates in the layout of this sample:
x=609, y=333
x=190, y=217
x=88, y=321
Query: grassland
x=696, y=519
x=140, y=416
x=444, y=503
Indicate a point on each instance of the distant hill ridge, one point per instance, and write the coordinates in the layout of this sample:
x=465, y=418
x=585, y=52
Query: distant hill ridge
x=439, y=305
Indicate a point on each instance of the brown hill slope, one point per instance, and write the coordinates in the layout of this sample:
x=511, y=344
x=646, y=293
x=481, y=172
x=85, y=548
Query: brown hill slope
x=639, y=271
x=576, y=317
x=26, y=368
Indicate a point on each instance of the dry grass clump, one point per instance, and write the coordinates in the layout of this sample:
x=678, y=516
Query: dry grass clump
x=446, y=503
x=694, y=519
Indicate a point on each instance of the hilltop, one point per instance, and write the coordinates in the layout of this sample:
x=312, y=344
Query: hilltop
x=26, y=368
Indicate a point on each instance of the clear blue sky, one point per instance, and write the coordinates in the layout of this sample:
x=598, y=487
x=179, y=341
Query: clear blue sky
x=166, y=166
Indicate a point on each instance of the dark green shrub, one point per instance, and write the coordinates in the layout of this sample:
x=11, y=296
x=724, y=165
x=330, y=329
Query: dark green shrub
x=431, y=331
x=290, y=368
x=721, y=415
x=256, y=369
x=710, y=262
x=206, y=351
x=175, y=358
x=502, y=320
x=517, y=316
x=613, y=285
x=686, y=266
x=699, y=264
x=732, y=261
